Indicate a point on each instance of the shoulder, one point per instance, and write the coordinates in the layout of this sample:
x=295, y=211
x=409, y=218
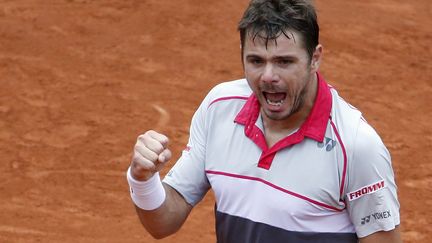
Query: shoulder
x=367, y=137
x=369, y=150
x=346, y=119
x=366, y=152
x=232, y=94
x=359, y=136
x=342, y=110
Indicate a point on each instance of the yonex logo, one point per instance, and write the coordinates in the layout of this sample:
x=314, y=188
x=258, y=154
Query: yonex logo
x=329, y=143
x=376, y=216
x=382, y=215
x=365, y=220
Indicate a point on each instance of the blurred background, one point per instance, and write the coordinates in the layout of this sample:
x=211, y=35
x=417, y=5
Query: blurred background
x=81, y=79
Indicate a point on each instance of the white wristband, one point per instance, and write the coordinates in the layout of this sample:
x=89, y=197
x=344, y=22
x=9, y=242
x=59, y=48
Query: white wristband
x=147, y=195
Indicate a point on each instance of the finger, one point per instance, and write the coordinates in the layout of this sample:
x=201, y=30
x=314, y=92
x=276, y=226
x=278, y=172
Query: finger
x=141, y=168
x=140, y=164
x=165, y=156
x=153, y=145
x=146, y=152
x=159, y=137
x=154, y=141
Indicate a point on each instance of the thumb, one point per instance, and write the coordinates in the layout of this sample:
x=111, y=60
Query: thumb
x=165, y=156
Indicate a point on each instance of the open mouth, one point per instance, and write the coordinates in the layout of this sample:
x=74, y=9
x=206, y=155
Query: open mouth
x=275, y=99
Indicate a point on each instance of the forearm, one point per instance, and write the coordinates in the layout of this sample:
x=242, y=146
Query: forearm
x=168, y=218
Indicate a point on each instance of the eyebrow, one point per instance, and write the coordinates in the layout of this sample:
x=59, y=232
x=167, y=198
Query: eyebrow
x=274, y=57
x=252, y=56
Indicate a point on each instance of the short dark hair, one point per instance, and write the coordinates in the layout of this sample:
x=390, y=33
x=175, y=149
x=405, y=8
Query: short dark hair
x=268, y=19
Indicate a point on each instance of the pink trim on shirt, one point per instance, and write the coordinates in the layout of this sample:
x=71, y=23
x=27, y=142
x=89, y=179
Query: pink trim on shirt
x=228, y=98
x=275, y=187
x=344, y=171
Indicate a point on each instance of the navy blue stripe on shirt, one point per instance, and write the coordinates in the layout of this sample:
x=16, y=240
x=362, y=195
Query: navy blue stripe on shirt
x=233, y=229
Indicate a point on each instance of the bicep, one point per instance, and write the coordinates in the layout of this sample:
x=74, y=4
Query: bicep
x=392, y=236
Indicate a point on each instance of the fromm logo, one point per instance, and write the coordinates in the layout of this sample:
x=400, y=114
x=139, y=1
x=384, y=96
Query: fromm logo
x=366, y=190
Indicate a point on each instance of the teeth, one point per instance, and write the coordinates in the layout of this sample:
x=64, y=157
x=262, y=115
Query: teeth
x=277, y=103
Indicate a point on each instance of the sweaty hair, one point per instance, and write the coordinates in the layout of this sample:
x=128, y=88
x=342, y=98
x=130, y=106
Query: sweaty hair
x=268, y=19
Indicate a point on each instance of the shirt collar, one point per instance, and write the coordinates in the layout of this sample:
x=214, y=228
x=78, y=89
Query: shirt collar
x=315, y=124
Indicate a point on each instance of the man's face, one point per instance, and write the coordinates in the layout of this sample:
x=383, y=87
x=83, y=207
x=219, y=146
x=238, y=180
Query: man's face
x=280, y=74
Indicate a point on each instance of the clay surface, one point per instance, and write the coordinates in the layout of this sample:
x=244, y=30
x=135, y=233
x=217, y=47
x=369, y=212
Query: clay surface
x=81, y=79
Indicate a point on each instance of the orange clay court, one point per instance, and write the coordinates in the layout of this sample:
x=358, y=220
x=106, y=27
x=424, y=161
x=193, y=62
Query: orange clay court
x=81, y=79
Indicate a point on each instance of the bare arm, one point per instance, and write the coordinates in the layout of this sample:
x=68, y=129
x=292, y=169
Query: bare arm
x=168, y=218
x=392, y=236
x=151, y=153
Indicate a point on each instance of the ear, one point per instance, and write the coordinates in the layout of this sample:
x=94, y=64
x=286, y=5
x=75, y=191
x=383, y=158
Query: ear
x=316, y=58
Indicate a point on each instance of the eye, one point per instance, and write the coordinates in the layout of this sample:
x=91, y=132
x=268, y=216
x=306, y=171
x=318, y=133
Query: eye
x=255, y=61
x=284, y=62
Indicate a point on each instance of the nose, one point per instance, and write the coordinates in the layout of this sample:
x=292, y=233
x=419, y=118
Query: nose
x=269, y=75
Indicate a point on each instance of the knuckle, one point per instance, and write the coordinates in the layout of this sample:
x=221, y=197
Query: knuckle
x=164, y=139
x=158, y=148
x=141, y=139
x=143, y=136
x=146, y=135
x=150, y=133
x=167, y=154
x=156, y=143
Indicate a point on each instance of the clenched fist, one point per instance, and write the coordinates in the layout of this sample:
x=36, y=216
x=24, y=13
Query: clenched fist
x=150, y=155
